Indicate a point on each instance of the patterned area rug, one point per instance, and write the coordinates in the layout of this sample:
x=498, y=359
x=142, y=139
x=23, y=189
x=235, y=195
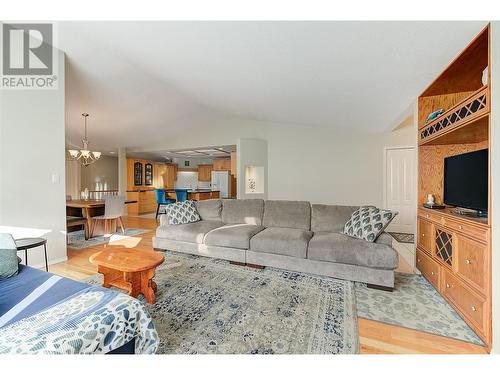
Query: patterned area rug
x=403, y=237
x=76, y=240
x=415, y=304
x=210, y=306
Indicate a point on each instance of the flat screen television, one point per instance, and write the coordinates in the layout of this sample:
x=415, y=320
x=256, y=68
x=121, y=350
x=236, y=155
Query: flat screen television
x=466, y=180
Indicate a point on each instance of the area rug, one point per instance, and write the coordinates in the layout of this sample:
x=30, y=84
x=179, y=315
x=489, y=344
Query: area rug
x=403, y=237
x=210, y=306
x=76, y=240
x=415, y=304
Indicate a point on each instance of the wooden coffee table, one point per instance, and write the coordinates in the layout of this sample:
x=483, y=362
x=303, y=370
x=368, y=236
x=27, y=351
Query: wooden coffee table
x=129, y=269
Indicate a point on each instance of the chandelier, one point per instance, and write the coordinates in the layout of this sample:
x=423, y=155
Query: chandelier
x=86, y=156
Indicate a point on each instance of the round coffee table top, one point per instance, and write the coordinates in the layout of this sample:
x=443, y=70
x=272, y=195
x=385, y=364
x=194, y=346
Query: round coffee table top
x=128, y=260
x=28, y=243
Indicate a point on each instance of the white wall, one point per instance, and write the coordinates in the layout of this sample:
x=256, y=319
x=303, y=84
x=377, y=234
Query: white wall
x=32, y=166
x=73, y=177
x=495, y=179
x=103, y=171
x=309, y=163
x=252, y=153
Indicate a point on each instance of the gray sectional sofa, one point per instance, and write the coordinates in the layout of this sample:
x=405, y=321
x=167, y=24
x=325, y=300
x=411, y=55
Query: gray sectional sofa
x=292, y=235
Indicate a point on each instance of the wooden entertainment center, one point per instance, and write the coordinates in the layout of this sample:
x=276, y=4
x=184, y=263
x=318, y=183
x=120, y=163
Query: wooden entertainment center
x=454, y=251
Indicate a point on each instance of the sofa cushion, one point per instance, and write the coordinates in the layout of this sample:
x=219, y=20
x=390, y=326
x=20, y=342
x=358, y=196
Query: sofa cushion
x=368, y=222
x=287, y=214
x=182, y=213
x=192, y=232
x=233, y=235
x=8, y=256
x=242, y=211
x=210, y=209
x=330, y=218
x=284, y=241
x=339, y=248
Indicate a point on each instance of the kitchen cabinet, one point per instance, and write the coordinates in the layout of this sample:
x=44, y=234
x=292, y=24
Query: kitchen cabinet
x=135, y=173
x=147, y=174
x=222, y=164
x=205, y=172
x=202, y=195
x=146, y=202
x=233, y=163
x=167, y=175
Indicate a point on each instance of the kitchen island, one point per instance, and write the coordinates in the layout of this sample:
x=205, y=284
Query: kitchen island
x=146, y=200
x=196, y=194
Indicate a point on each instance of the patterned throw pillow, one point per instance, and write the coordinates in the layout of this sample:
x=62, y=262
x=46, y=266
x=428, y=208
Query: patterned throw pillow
x=368, y=222
x=182, y=213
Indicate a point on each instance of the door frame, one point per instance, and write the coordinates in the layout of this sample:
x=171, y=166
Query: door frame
x=415, y=170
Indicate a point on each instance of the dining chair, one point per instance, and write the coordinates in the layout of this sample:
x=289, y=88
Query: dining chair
x=114, y=209
x=161, y=200
x=181, y=195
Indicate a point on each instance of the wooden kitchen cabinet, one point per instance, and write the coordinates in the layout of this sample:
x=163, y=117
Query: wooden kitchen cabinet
x=233, y=163
x=167, y=175
x=136, y=173
x=164, y=175
x=146, y=202
x=205, y=172
x=222, y=164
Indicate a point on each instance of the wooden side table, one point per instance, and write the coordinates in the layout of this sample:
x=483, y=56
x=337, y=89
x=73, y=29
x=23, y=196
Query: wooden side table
x=130, y=270
x=30, y=243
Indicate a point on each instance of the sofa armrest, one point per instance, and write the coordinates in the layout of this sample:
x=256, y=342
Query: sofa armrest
x=384, y=239
x=163, y=220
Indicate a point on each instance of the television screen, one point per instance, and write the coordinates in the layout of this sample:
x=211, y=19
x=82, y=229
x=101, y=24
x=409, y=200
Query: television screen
x=466, y=180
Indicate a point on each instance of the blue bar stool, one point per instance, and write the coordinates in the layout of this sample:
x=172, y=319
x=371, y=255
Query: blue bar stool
x=161, y=199
x=181, y=194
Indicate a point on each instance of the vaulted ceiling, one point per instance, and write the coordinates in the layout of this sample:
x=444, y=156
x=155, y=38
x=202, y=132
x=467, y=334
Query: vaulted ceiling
x=142, y=80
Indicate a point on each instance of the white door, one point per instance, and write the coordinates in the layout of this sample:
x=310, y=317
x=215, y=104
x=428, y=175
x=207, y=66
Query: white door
x=400, y=188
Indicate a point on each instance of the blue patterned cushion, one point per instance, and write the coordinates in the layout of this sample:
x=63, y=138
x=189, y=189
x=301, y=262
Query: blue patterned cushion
x=368, y=222
x=182, y=213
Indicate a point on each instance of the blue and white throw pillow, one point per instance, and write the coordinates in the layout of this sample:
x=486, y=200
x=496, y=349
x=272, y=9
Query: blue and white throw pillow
x=368, y=222
x=182, y=213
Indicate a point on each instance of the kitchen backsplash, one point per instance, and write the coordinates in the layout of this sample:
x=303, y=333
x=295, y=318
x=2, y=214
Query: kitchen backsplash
x=189, y=180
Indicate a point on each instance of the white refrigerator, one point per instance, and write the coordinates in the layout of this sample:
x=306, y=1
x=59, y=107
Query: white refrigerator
x=221, y=181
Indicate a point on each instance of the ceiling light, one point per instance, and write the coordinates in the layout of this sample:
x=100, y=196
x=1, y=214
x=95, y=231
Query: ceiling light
x=86, y=156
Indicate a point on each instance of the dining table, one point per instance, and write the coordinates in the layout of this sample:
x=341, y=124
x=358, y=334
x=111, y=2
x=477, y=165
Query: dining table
x=88, y=208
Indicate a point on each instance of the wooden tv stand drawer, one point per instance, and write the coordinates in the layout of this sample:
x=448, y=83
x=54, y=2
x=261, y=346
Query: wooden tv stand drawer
x=428, y=267
x=425, y=235
x=466, y=226
x=472, y=306
x=471, y=262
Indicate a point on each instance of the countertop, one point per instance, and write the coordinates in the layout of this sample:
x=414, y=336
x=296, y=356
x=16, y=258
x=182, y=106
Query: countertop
x=202, y=191
x=173, y=191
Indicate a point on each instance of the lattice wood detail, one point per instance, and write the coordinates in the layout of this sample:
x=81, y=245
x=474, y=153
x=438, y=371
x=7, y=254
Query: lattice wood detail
x=444, y=246
x=465, y=111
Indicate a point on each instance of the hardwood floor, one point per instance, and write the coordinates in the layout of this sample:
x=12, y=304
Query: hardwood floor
x=375, y=337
